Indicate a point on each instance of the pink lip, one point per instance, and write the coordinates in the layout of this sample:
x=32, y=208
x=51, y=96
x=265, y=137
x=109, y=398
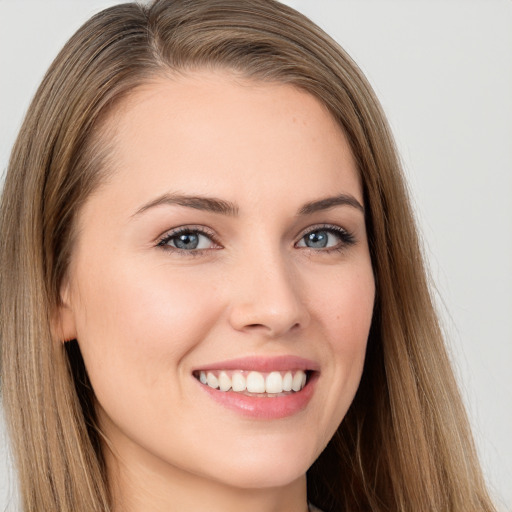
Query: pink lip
x=263, y=364
x=264, y=408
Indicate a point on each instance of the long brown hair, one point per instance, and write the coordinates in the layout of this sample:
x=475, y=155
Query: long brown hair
x=405, y=443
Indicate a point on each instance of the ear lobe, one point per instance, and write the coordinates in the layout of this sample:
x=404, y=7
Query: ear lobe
x=63, y=321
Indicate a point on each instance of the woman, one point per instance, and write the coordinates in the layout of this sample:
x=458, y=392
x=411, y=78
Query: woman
x=211, y=280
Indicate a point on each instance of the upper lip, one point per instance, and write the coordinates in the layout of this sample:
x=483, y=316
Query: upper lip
x=263, y=364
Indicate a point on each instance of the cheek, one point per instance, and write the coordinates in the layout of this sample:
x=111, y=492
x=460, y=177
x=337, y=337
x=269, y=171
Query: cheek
x=343, y=302
x=352, y=323
x=344, y=311
x=135, y=323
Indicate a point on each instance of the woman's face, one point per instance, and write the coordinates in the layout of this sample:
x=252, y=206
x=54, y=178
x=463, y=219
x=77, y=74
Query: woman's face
x=226, y=248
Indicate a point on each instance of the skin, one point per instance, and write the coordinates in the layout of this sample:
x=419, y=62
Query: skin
x=147, y=315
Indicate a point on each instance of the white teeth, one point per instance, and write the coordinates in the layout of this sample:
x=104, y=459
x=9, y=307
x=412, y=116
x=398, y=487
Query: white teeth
x=212, y=381
x=239, y=381
x=287, y=381
x=255, y=383
x=224, y=382
x=297, y=381
x=274, y=383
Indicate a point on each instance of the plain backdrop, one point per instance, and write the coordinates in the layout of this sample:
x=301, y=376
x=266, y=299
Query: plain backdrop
x=443, y=72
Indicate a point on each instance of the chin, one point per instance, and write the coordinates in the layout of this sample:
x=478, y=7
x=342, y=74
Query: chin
x=266, y=467
x=272, y=475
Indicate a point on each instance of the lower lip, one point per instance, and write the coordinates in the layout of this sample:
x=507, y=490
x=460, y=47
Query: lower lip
x=266, y=408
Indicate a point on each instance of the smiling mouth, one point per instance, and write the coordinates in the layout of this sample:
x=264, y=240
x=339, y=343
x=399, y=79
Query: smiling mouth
x=254, y=383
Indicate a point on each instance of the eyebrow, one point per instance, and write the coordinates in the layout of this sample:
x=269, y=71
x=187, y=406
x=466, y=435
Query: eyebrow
x=223, y=207
x=209, y=204
x=331, y=202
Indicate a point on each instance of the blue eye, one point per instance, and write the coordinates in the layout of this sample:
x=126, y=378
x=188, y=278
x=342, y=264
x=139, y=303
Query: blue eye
x=331, y=237
x=187, y=240
x=317, y=239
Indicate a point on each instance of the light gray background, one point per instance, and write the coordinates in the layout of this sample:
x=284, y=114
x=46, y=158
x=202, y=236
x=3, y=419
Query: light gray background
x=443, y=71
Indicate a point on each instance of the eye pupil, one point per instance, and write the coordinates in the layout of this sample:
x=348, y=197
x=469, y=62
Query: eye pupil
x=317, y=239
x=187, y=241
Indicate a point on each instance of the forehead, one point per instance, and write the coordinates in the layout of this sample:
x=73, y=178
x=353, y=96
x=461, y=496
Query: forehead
x=216, y=133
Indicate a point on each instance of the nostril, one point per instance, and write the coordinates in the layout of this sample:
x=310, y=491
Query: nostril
x=272, y=328
x=269, y=316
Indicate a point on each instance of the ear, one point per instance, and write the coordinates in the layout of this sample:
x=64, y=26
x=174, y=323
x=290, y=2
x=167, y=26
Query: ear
x=63, y=321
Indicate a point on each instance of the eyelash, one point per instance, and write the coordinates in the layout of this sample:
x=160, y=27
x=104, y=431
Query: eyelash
x=167, y=237
x=347, y=239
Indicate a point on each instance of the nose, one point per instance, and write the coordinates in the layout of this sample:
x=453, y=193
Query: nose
x=267, y=297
